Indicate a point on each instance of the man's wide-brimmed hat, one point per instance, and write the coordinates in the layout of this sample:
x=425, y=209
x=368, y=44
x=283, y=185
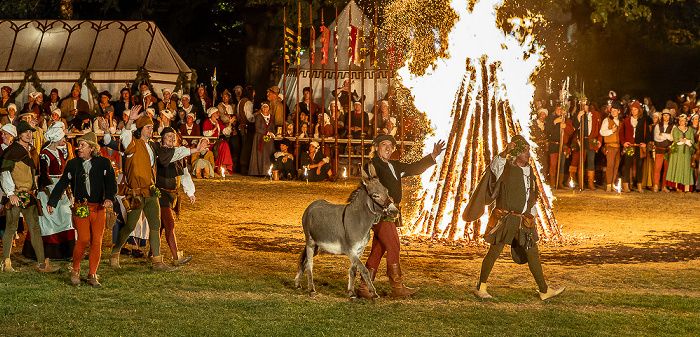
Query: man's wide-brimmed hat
x=274, y=89
x=384, y=137
x=23, y=126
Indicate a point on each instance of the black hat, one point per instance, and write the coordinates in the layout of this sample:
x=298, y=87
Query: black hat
x=517, y=252
x=167, y=129
x=106, y=93
x=616, y=105
x=82, y=115
x=287, y=142
x=384, y=137
x=23, y=126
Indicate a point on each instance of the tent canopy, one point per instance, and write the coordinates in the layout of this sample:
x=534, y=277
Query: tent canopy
x=324, y=81
x=112, y=51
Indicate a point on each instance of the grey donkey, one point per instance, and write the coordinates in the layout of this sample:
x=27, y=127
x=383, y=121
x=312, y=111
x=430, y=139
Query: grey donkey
x=345, y=229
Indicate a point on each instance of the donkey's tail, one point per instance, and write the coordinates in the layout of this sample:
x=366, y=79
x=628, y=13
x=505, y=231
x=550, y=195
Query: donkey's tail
x=302, y=259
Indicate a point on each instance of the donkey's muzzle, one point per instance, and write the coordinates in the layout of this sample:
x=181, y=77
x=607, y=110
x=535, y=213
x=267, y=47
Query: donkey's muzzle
x=391, y=211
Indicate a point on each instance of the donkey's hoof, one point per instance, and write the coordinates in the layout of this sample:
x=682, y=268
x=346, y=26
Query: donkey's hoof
x=313, y=294
x=375, y=296
x=352, y=297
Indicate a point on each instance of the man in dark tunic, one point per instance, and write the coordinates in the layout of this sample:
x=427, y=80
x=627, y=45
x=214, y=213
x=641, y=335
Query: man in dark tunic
x=386, y=238
x=510, y=182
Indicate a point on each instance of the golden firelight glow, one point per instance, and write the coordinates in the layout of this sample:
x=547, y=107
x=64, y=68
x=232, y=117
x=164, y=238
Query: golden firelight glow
x=476, y=96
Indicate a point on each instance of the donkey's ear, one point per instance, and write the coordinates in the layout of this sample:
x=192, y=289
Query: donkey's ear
x=365, y=177
x=371, y=171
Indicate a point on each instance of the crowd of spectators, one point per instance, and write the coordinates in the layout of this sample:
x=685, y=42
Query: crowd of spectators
x=628, y=144
x=245, y=131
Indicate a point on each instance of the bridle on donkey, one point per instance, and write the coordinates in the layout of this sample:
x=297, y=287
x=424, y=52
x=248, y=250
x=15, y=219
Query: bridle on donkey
x=372, y=207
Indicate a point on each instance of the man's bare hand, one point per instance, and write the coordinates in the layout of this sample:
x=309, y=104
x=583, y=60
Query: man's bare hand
x=49, y=209
x=14, y=200
x=135, y=112
x=438, y=148
x=202, y=145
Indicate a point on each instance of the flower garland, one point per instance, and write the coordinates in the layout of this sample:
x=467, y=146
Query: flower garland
x=36, y=83
x=628, y=151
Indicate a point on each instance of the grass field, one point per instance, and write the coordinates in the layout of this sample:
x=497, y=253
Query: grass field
x=630, y=265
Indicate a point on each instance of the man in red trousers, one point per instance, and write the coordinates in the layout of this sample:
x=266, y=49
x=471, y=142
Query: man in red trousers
x=386, y=238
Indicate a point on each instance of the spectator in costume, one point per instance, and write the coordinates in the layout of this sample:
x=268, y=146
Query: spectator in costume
x=316, y=164
x=167, y=103
x=189, y=129
x=94, y=186
x=610, y=130
x=73, y=104
x=52, y=103
x=284, y=161
x=203, y=163
x=663, y=139
x=310, y=108
x=125, y=102
x=11, y=115
x=246, y=126
x=103, y=106
x=634, y=136
x=680, y=172
x=587, y=122
x=277, y=109
x=263, y=146
x=5, y=99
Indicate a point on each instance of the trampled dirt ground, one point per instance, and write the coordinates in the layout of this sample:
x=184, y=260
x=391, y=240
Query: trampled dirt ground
x=612, y=241
x=648, y=243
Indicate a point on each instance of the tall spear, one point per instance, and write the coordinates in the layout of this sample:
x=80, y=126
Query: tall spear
x=373, y=52
x=297, y=126
x=284, y=63
x=361, y=36
x=335, y=65
x=565, y=98
x=350, y=103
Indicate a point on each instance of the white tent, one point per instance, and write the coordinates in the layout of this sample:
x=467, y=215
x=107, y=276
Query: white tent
x=345, y=70
x=111, y=51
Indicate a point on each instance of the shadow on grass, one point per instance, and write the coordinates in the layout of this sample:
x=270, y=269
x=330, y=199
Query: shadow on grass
x=667, y=247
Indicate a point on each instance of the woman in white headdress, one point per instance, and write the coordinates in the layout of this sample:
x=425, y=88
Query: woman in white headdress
x=56, y=229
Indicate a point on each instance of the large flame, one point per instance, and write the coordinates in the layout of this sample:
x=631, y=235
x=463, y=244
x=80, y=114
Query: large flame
x=477, y=40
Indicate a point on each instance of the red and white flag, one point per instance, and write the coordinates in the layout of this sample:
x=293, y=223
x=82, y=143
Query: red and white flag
x=325, y=39
x=353, y=46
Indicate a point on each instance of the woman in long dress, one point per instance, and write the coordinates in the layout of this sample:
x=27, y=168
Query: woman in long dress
x=680, y=173
x=263, y=142
x=57, y=230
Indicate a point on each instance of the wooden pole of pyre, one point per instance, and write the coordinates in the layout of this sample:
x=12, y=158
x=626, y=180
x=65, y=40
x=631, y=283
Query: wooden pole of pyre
x=489, y=125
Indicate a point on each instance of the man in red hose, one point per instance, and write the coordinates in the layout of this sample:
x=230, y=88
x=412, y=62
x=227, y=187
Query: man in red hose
x=386, y=238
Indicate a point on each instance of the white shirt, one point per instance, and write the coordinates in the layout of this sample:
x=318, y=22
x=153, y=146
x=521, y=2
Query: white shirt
x=125, y=137
x=87, y=165
x=659, y=136
x=605, y=129
x=497, y=166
